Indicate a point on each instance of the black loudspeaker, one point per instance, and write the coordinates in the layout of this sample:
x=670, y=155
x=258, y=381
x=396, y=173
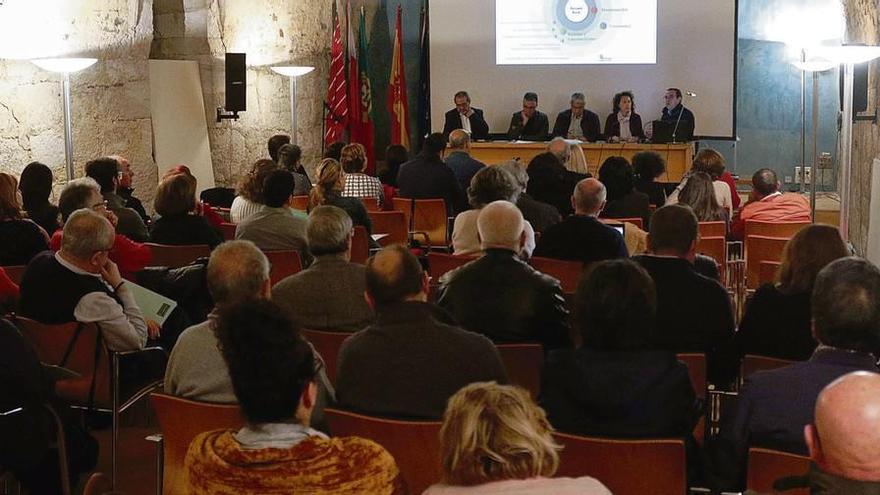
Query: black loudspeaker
x=236, y=82
x=860, y=87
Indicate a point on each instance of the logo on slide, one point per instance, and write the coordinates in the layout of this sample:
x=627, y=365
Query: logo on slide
x=576, y=15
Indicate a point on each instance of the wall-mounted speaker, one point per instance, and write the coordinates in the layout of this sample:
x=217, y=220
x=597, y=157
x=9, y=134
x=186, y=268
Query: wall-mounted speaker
x=236, y=82
x=860, y=87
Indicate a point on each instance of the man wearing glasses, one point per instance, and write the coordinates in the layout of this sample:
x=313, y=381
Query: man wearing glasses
x=530, y=124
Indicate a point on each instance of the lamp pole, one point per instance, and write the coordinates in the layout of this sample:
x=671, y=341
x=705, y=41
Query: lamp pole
x=292, y=72
x=68, y=128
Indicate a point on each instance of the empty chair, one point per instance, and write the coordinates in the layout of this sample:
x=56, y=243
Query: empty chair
x=415, y=445
x=766, y=466
x=440, y=263
x=761, y=248
x=180, y=420
x=715, y=248
x=283, y=264
x=773, y=229
x=523, y=364
x=371, y=203
x=228, y=230
x=392, y=223
x=360, y=245
x=713, y=229
x=327, y=344
x=767, y=271
x=567, y=272
x=428, y=216
x=177, y=256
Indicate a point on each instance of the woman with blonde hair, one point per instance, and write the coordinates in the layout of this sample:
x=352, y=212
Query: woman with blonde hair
x=20, y=238
x=576, y=162
x=358, y=184
x=777, y=320
x=250, y=191
x=328, y=191
x=494, y=440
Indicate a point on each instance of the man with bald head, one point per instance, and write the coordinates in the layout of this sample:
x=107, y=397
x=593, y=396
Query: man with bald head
x=582, y=236
x=768, y=204
x=501, y=296
x=774, y=406
x=459, y=158
x=415, y=356
x=844, y=439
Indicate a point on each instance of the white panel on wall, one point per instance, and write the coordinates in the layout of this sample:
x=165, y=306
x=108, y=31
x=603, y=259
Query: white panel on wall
x=873, y=253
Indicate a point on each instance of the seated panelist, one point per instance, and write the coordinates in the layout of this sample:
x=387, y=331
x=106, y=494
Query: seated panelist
x=624, y=124
x=529, y=124
x=463, y=116
x=577, y=122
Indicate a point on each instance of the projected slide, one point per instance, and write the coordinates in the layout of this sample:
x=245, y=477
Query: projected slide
x=575, y=32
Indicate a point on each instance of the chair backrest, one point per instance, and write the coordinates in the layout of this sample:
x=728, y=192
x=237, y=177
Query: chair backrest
x=15, y=273
x=715, y=248
x=430, y=217
x=177, y=256
x=50, y=342
x=637, y=221
x=713, y=229
x=283, y=264
x=371, y=203
x=360, y=245
x=752, y=363
x=440, y=263
x=181, y=420
x=767, y=271
x=300, y=203
x=761, y=248
x=228, y=230
x=327, y=344
x=626, y=467
x=415, y=445
x=567, y=272
x=773, y=229
x=392, y=223
x=765, y=466
x=696, y=363
x=523, y=363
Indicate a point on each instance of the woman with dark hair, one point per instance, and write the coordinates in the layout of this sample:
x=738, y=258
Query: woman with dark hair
x=36, y=186
x=617, y=384
x=699, y=194
x=623, y=123
x=395, y=156
x=712, y=163
x=622, y=199
x=648, y=166
x=178, y=223
x=551, y=183
x=328, y=190
x=289, y=159
x=20, y=238
x=250, y=191
x=777, y=320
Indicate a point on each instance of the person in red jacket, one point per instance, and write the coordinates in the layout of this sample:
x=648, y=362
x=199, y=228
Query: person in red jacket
x=768, y=204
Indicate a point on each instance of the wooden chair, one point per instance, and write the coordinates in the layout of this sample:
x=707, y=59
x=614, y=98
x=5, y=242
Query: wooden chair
x=773, y=229
x=430, y=218
x=327, y=344
x=59, y=442
x=177, y=256
x=752, y=363
x=360, y=245
x=696, y=363
x=523, y=363
x=765, y=466
x=626, y=467
x=180, y=421
x=300, y=203
x=97, y=366
x=440, y=263
x=761, y=248
x=415, y=445
x=715, y=248
x=371, y=203
x=228, y=230
x=283, y=264
x=392, y=223
x=567, y=272
x=15, y=273
x=767, y=271
x=637, y=221
x=713, y=229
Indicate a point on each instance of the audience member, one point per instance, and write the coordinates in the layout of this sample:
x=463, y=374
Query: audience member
x=648, y=166
x=539, y=215
x=126, y=190
x=488, y=185
x=329, y=295
x=36, y=187
x=414, y=357
x=275, y=143
x=289, y=156
x=129, y=256
x=693, y=311
x=395, y=156
x=777, y=319
x=577, y=161
x=623, y=200
x=105, y=171
x=250, y=191
x=844, y=439
x=357, y=183
x=202, y=208
x=768, y=204
x=328, y=189
x=712, y=163
x=560, y=148
x=699, y=194
x=273, y=375
x=773, y=406
x=582, y=236
x=617, y=384
x=495, y=439
x=499, y=295
x=551, y=183
x=427, y=177
x=459, y=158
x=334, y=150
x=20, y=238
x=276, y=226
x=177, y=225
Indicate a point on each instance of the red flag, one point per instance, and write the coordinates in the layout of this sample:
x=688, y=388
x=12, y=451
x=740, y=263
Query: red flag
x=337, y=111
x=397, y=103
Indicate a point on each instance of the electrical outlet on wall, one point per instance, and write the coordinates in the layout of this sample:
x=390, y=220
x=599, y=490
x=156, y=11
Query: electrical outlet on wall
x=808, y=174
x=788, y=179
x=797, y=175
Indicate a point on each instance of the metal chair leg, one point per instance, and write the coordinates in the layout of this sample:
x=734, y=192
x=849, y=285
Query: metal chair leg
x=61, y=445
x=114, y=447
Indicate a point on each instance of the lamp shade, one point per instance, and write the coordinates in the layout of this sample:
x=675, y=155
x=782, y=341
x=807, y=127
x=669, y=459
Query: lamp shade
x=849, y=54
x=68, y=65
x=815, y=65
x=292, y=70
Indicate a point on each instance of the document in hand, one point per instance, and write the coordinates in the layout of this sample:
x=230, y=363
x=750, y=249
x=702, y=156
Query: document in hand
x=155, y=306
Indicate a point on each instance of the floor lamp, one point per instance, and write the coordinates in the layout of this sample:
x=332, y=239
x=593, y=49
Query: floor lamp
x=66, y=66
x=292, y=71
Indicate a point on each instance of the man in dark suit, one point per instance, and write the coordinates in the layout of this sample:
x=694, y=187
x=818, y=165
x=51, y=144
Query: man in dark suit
x=539, y=215
x=582, y=237
x=529, y=124
x=427, y=177
x=577, y=122
x=674, y=109
x=459, y=158
x=774, y=406
x=693, y=311
x=415, y=356
x=463, y=116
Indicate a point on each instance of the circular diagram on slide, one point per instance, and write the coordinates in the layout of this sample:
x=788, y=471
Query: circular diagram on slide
x=575, y=16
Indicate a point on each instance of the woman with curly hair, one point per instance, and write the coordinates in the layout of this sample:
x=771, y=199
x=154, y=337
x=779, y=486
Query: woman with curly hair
x=358, y=184
x=250, y=191
x=328, y=191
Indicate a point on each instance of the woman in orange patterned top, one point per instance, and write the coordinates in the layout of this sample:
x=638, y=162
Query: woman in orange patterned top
x=272, y=370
